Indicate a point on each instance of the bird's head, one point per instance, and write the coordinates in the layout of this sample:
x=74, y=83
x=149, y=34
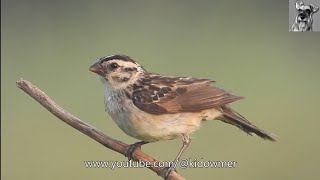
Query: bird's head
x=117, y=71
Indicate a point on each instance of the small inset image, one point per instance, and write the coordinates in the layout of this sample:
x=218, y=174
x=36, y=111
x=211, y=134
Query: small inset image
x=304, y=15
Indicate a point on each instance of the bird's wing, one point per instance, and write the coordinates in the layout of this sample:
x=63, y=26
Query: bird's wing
x=160, y=95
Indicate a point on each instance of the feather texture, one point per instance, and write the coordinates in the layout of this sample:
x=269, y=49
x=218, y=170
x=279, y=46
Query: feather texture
x=157, y=94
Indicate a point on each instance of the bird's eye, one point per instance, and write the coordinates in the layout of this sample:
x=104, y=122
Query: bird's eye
x=114, y=66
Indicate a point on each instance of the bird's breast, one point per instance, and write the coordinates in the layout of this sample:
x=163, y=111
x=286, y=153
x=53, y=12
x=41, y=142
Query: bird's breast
x=149, y=127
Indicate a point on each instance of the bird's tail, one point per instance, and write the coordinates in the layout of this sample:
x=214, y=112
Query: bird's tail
x=232, y=117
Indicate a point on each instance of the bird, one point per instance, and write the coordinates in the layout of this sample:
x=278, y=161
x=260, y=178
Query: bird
x=152, y=107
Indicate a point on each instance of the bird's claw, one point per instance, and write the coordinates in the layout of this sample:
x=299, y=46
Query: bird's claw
x=168, y=172
x=130, y=150
x=132, y=147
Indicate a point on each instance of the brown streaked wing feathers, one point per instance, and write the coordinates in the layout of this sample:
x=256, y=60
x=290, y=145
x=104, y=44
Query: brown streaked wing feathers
x=205, y=98
x=184, y=97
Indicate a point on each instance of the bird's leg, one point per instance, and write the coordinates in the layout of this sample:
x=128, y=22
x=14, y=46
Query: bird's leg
x=186, y=141
x=132, y=147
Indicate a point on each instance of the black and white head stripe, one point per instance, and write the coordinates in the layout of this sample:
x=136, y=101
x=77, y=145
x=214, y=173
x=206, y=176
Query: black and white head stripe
x=118, y=56
x=126, y=60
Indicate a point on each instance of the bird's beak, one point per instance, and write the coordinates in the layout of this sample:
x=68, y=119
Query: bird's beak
x=96, y=68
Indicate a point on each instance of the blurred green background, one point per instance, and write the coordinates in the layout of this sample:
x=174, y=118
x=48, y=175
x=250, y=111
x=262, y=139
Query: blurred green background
x=244, y=45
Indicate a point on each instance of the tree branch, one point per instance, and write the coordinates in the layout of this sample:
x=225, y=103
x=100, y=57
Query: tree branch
x=89, y=130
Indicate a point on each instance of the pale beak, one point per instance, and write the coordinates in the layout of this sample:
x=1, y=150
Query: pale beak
x=96, y=68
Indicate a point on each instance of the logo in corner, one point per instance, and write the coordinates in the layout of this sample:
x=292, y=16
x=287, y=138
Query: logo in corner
x=303, y=20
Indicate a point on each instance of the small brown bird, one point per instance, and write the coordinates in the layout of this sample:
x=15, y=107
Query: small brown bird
x=151, y=107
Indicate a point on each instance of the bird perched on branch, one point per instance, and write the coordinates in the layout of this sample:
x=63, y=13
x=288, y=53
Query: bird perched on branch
x=152, y=107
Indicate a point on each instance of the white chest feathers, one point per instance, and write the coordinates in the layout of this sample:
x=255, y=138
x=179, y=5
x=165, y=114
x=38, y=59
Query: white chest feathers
x=114, y=101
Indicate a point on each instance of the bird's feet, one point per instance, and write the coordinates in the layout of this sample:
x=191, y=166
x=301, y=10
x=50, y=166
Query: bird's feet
x=168, y=172
x=132, y=147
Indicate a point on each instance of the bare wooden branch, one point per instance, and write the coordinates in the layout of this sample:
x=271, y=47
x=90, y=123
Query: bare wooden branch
x=89, y=130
